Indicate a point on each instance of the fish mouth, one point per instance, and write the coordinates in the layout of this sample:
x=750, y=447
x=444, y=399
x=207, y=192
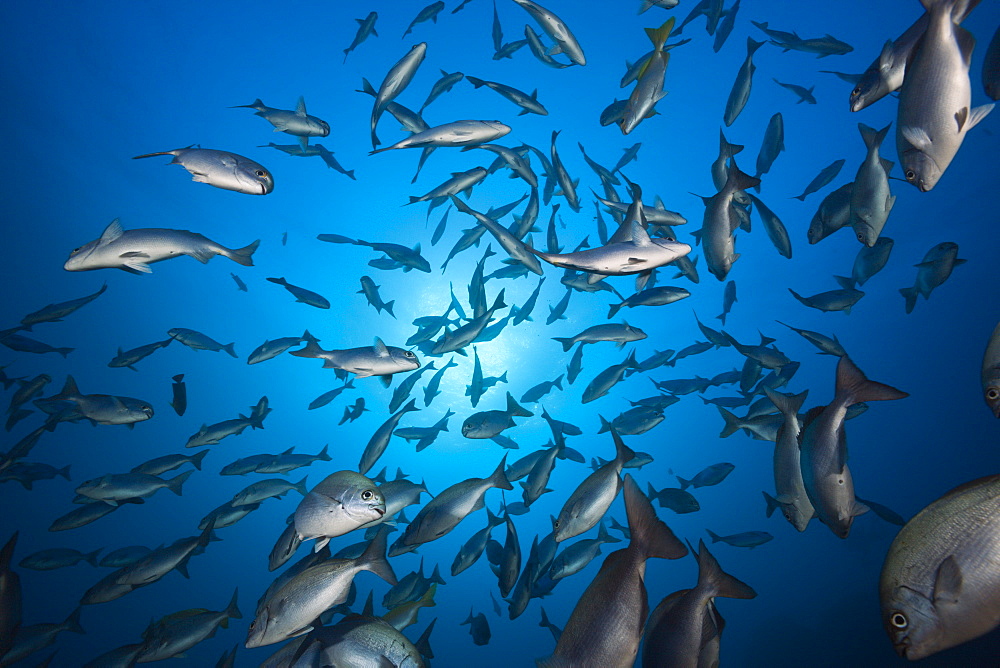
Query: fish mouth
x=380, y=511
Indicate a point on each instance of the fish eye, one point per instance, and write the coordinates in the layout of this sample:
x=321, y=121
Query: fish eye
x=856, y=91
x=910, y=175
x=992, y=393
x=260, y=172
x=253, y=624
x=898, y=620
x=367, y=495
x=861, y=237
x=407, y=353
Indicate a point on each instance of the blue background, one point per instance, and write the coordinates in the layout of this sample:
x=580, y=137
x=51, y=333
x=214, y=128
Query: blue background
x=88, y=85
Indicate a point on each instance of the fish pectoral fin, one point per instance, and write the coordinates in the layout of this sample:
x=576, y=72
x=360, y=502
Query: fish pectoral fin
x=202, y=255
x=300, y=632
x=859, y=509
x=386, y=380
x=948, y=582
x=134, y=254
x=635, y=260
x=136, y=267
x=918, y=137
x=200, y=178
x=978, y=114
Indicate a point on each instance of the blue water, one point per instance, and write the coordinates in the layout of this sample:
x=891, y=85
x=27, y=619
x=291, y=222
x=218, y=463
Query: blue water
x=88, y=85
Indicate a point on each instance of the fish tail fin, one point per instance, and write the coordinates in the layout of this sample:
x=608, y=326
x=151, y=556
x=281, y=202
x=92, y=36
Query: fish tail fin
x=856, y=388
x=475, y=82
x=175, y=484
x=650, y=536
x=683, y=483
x=436, y=575
x=373, y=558
x=91, y=557
x=388, y=307
x=623, y=453
x=788, y=405
x=258, y=412
x=312, y=349
x=871, y=136
x=230, y=349
x=910, y=295
x=244, y=255
x=740, y=180
x=64, y=471
x=72, y=623
x=605, y=537
x=545, y=618
x=514, y=408
x=710, y=574
x=7, y=553
x=196, y=460
x=557, y=382
x=232, y=612
x=65, y=351
x=423, y=643
x=753, y=45
x=732, y=423
x=323, y=455
x=300, y=486
x=714, y=536
x=613, y=309
x=772, y=504
x=499, y=477
x=567, y=342
x=794, y=294
x=658, y=36
x=152, y=155
x=605, y=425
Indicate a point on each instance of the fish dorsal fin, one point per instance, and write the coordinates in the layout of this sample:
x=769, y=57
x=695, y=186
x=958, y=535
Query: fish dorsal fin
x=639, y=235
x=948, y=582
x=111, y=233
x=300, y=107
x=380, y=348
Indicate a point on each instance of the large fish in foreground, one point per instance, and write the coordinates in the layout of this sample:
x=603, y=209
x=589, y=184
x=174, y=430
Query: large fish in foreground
x=940, y=585
x=340, y=503
x=935, y=100
x=606, y=625
x=823, y=442
x=134, y=250
x=682, y=626
x=221, y=169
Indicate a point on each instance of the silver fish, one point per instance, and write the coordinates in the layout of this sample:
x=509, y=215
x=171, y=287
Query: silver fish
x=297, y=123
x=591, y=499
x=380, y=439
x=790, y=492
x=529, y=103
x=428, y=13
x=487, y=424
x=823, y=446
x=302, y=295
x=175, y=634
x=197, y=341
x=377, y=360
x=833, y=300
x=56, y=312
x=649, y=88
x=453, y=134
x=134, y=250
x=934, y=270
x=827, y=174
x=939, y=585
x=776, y=231
x=100, y=408
x=441, y=86
x=804, y=94
x=366, y=28
x=834, y=213
x=395, y=82
x=740, y=92
x=870, y=260
x=128, y=358
x=557, y=30
x=113, y=488
x=272, y=348
x=772, y=144
x=720, y=223
x=221, y=169
x=340, y=503
x=935, y=99
x=871, y=200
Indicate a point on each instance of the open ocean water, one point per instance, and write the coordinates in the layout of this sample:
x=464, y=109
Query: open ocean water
x=88, y=85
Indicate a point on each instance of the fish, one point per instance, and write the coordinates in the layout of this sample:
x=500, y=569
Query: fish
x=870, y=260
x=396, y=80
x=340, y=503
x=825, y=176
x=574, y=558
x=272, y=348
x=938, y=587
x=353, y=412
x=431, y=389
x=129, y=357
x=161, y=465
x=748, y=539
x=934, y=270
x=712, y=475
x=453, y=134
x=221, y=169
x=649, y=87
x=790, y=492
x=608, y=378
x=428, y=13
x=403, y=390
x=833, y=300
x=591, y=499
x=464, y=335
x=804, y=94
x=460, y=182
x=297, y=123
x=197, y=341
x=557, y=30
x=487, y=424
x=366, y=28
x=134, y=250
x=684, y=629
x=380, y=439
x=871, y=200
x=619, y=333
x=822, y=46
x=174, y=634
x=772, y=144
x=559, y=174
x=510, y=560
x=535, y=394
x=529, y=103
x=24, y=344
x=823, y=445
x=292, y=609
x=935, y=111
x=302, y=295
x=834, y=213
x=56, y=312
x=740, y=92
x=376, y=360
x=99, y=408
x=444, y=512
x=124, y=556
x=510, y=243
x=605, y=627
x=826, y=344
x=115, y=487
x=659, y=296
x=30, y=639
x=408, y=258
x=59, y=557
x=720, y=223
x=212, y=434
x=473, y=548
x=887, y=514
x=678, y=500
x=990, y=375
